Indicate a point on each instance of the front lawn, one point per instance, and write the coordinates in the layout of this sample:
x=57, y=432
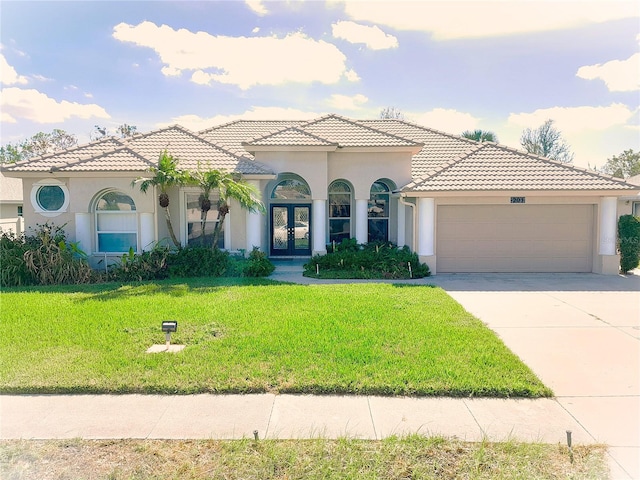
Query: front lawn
x=253, y=336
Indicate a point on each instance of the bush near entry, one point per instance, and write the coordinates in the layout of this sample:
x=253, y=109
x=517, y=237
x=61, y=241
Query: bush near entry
x=372, y=260
x=629, y=242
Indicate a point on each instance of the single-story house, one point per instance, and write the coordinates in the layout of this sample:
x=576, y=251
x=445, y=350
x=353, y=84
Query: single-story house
x=463, y=206
x=11, y=219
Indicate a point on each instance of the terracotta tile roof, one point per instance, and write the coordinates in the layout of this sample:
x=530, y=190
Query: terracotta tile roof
x=46, y=163
x=490, y=166
x=439, y=147
x=231, y=135
x=350, y=133
x=138, y=153
x=293, y=136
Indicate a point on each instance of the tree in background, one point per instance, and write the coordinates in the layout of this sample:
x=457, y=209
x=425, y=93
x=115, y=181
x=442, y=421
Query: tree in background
x=546, y=141
x=391, y=113
x=165, y=176
x=123, y=131
x=39, y=144
x=480, y=135
x=625, y=165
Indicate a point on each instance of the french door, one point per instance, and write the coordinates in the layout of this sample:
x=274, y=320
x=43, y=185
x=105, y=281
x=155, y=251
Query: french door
x=291, y=230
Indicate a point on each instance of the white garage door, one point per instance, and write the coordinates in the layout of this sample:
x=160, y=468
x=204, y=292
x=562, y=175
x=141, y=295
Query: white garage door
x=514, y=238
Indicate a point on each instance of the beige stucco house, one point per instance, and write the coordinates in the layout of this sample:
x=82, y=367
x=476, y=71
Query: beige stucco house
x=462, y=206
x=11, y=219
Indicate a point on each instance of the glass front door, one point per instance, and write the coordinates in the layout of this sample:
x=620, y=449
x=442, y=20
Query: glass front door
x=291, y=230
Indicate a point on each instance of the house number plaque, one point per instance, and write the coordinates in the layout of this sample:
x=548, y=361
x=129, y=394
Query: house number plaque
x=517, y=199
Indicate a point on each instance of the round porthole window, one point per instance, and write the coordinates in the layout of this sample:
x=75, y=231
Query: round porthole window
x=50, y=198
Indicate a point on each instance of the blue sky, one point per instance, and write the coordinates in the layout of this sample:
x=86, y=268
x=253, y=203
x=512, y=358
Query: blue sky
x=499, y=66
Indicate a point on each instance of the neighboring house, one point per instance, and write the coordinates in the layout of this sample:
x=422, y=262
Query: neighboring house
x=11, y=219
x=462, y=206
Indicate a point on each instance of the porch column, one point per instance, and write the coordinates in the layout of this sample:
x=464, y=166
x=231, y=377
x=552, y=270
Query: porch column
x=147, y=231
x=401, y=224
x=319, y=219
x=83, y=232
x=426, y=226
x=607, y=244
x=253, y=221
x=362, y=221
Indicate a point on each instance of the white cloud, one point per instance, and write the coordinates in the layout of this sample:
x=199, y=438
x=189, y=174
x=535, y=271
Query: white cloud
x=575, y=119
x=446, y=120
x=372, y=37
x=8, y=74
x=241, y=61
x=345, y=102
x=197, y=123
x=448, y=20
x=618, y=75
x=257, y=6
x=255, y=30
x=37, y=107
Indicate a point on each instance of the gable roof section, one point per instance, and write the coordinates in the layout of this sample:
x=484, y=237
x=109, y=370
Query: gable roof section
x=140, y=152
x=231, y=135
x=292, y=136
x=54, y=161
x=493, y=167
x=439, y=147
x=350, y=133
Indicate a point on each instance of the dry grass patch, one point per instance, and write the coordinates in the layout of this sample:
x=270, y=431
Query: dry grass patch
x=393, y=458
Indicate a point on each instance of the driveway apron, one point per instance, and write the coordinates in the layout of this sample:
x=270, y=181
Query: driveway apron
x=580, y=333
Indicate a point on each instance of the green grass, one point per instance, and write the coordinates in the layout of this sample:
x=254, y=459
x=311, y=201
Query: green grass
x=253, y=336
x=393, y=458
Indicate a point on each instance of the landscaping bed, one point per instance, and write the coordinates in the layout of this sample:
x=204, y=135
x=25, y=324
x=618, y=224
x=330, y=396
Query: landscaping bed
x=249, y=335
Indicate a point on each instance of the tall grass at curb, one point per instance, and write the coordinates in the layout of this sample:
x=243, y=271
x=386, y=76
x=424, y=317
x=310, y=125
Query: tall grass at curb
x=253, y=336
x=393, y=458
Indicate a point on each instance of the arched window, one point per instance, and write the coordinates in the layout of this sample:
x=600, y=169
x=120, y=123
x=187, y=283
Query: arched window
x=339, y=211
x=116, y=223
x=378, y=211
x=291, y=189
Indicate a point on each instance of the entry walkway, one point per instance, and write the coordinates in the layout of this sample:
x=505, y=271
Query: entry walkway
x=579, y=333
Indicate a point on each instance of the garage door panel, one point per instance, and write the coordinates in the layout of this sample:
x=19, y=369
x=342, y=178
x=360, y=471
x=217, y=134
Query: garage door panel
x=514, y=238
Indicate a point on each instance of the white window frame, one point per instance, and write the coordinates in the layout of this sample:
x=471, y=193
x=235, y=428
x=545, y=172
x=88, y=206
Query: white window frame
x=35, y=189
x=351, y=207
x=97, y=213
x=635, y=209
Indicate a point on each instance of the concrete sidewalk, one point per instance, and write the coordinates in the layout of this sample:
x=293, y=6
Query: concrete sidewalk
x=282, y=417
x=579, y=333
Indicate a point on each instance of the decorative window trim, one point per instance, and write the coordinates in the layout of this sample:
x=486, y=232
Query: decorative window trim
x=97, y=213
x=35, y=190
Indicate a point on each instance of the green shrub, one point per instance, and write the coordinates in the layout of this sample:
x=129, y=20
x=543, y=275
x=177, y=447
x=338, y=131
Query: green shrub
x=44, y=258
x=131, y=267
x=198, y=262
x=13, y=269
x=372, y=260
x=258, y=264
x=629, y=242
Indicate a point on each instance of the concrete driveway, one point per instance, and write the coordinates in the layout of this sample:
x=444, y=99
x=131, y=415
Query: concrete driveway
x=580, y=333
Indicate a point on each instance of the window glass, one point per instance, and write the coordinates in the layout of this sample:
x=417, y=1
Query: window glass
x=636, y=209
x=378, y=212
x=291, y=189
x=116, y=223
x=50, y=198
x=200, y=229
x=339, y=211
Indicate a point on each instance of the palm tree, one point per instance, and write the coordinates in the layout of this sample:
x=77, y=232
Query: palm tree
x=229, y=186
x=480, y=135
x=165, y=176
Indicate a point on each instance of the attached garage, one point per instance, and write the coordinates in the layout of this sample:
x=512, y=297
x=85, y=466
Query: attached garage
x=515, y=238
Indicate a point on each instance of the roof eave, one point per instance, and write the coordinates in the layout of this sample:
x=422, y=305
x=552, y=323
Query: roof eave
x=521, y=192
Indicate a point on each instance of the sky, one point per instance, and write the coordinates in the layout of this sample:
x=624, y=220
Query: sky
x=501, y=66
